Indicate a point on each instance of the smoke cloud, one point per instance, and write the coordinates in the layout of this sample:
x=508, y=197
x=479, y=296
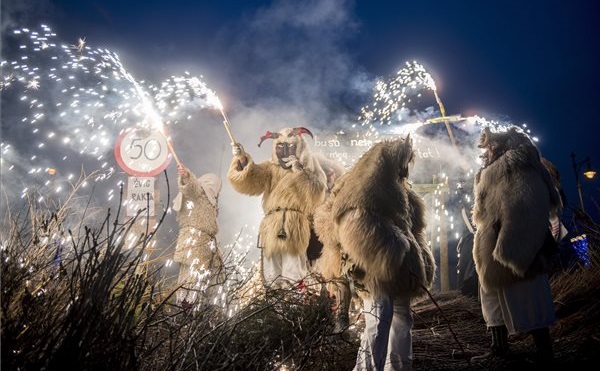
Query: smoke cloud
x=285, y=65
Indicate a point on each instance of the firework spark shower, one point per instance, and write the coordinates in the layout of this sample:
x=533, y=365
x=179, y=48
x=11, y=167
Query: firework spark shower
x=74, y=100
x=280, y=64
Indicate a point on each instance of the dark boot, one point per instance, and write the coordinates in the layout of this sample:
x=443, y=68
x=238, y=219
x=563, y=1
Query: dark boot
x=499, y=340
x=499, y=347
x=543, y=346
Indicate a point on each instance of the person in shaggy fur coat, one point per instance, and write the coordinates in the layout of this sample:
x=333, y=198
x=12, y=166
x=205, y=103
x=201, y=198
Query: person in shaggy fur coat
x=379, y=222
x=292, y=184
x=514, y=198
x=200, y=260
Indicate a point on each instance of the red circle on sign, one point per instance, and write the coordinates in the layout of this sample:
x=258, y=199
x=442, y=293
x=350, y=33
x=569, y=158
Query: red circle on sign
x=126, y=165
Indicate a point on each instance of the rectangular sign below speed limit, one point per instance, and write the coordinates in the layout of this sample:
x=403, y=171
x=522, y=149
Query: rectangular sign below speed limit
x=140, y=195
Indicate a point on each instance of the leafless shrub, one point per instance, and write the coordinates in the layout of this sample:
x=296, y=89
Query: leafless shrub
x=77, y=294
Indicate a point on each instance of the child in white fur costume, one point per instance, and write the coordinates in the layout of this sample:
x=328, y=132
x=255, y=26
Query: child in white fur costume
x=200, y=260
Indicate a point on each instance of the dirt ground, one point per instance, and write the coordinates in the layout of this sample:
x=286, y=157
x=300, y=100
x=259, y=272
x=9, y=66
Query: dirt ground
x=446, y=339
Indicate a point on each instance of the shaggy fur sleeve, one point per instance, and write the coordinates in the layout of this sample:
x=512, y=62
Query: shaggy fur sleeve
x=303, y=190
x=330, y=262
x=252, y=180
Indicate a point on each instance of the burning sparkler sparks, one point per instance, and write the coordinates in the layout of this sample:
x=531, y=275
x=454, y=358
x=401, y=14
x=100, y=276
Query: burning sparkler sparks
x=80, y=45
x=75, y=100
x=68, y=105
x=443, y=171
x=392, y=96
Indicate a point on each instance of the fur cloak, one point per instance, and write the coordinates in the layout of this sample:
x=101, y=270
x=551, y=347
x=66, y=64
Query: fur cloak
x=289, y=197
x=380, y=223
x=514, y=196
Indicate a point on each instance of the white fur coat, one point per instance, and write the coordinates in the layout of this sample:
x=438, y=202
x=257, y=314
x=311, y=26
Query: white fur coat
x=514, y=196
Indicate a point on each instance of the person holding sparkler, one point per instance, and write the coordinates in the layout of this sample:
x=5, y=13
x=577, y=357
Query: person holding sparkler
x=199, y=257
x=292, y=184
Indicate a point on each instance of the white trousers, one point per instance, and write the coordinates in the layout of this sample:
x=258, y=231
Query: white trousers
x=524, y=306
x=386, y=343
x=283, y=269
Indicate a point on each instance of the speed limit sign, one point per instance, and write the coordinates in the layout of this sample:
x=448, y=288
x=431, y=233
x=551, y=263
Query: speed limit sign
x=142, y=152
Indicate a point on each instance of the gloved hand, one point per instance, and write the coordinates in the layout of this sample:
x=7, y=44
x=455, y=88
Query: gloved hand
x=237, y=149
x=238, y=152
x=183, y=172
x=294, y=163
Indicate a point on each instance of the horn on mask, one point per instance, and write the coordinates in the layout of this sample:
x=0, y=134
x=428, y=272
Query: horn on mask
x=301, y=130
x=268, y=135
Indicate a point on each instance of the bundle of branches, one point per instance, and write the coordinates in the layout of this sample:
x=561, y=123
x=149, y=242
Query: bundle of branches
x=76, y=296
x=72, y=295
x=282, y=329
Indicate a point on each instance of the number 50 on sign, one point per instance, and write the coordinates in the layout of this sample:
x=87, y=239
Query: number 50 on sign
x=142, y=153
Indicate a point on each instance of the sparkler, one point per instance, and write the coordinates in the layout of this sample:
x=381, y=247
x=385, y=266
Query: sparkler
x=180, y=92
x=443, y=112
x=226, y=122
x=172, y=150
x=395, y=96
x=74, y=100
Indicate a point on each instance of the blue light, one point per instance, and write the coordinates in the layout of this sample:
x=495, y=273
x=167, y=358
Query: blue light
x=580, y=246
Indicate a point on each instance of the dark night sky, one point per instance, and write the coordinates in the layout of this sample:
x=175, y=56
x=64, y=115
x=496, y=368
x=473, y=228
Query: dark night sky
x=532, y=61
